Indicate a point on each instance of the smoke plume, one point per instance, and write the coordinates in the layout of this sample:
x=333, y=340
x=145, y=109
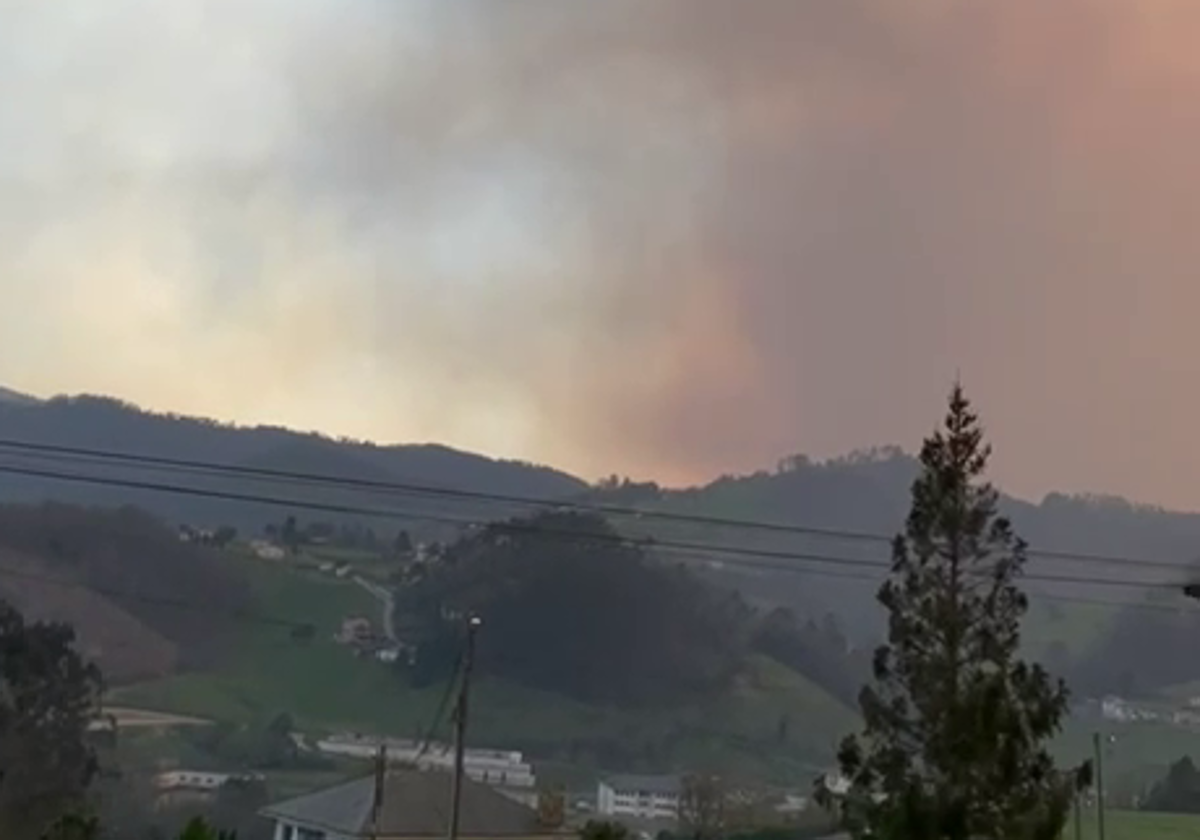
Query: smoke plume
x=665, y=238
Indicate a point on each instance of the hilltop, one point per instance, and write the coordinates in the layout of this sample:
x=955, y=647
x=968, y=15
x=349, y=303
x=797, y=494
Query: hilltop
x=105, y=424
x=143, y=604
x=1078, y=626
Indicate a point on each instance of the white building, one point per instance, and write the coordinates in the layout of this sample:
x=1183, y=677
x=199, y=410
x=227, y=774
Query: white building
x=505, y=770
x=1122, y=711
x=836, y=784
x=191, y=780
x=265, y=550
x=179, y=787
x=640, y=797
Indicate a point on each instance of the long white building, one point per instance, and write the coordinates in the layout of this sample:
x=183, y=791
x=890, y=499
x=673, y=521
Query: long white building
x=640, y=797
x=505, y=770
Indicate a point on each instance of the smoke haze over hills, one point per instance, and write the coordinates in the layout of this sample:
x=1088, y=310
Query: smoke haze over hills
x=668, y=239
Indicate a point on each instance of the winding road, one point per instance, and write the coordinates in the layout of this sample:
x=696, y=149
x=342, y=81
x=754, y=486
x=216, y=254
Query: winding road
x=386, y=601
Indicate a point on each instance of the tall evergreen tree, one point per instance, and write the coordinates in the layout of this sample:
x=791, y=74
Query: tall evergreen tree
x=955, y=723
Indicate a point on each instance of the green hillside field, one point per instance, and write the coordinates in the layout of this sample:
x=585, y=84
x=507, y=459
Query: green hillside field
x=326, y=689
x=771, y=722
x=1137, y=825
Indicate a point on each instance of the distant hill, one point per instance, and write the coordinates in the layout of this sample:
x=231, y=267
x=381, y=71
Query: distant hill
x=124, y=647
x=142, y=602
x=865, y=492
x=577, y=613
x=110, y=425
x=868, y=492
x=11, y=397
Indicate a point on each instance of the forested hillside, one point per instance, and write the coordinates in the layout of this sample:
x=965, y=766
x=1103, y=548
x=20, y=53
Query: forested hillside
x=572, y=608
x=1078, y=622
x=143, y=602
x=112, y=426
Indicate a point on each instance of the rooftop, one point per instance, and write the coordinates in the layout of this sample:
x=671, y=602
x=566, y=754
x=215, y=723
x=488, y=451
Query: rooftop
x=415, y=804
x=648, y=784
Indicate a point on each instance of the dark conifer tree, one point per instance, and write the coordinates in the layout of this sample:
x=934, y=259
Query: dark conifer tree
x=956, y=725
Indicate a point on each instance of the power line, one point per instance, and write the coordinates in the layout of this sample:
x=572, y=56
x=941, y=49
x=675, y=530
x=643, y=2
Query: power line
x=258, y=617
x=738, y=556
x=1033, y=596
x=420, y=489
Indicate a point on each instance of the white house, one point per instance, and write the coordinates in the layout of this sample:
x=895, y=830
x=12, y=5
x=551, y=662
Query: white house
x=640, y=797
x=265, y=550
x=388, y=655
x=836, y=784
x=177, y=787
x=1117, y=709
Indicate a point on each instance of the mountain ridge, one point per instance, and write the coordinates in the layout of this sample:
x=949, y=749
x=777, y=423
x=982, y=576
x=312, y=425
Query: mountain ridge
x=109, y=425
x=865, y=492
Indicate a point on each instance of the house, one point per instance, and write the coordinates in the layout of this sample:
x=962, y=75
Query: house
x=203, y=536
x=835, y=784
x=791, y=805
x=354, y=629
x=193, y=787
x=1186, y=717
x=390, y=653
x=402, y=804
x=640, y=797
x=266, y=550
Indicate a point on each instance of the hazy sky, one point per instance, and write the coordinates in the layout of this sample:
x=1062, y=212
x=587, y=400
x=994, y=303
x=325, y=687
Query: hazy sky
x=667, y=238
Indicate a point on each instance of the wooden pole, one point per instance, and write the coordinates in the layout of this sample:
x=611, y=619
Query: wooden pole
x=460, y=725
x=1097, y=745
x=380, y=782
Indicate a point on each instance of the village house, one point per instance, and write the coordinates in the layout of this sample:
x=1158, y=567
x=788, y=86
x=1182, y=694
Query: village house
x=654, y=798
x=354, y=630
x=266, y=550
x=193, y=787
x=404, y=805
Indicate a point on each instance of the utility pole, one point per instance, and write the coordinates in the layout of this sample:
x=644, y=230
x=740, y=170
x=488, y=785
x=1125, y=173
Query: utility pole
x=380, y=785
x=1078, y=818
x=1099, y=749
x=460, y=724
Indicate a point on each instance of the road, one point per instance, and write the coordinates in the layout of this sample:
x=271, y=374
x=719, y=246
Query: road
x=127, y=718
x=386, y=601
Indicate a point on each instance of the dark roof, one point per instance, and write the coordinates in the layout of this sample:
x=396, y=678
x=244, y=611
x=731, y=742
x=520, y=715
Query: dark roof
x=415, y=804
x=649, y=784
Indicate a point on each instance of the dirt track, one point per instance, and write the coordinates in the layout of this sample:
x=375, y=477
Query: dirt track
x=131, y=718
